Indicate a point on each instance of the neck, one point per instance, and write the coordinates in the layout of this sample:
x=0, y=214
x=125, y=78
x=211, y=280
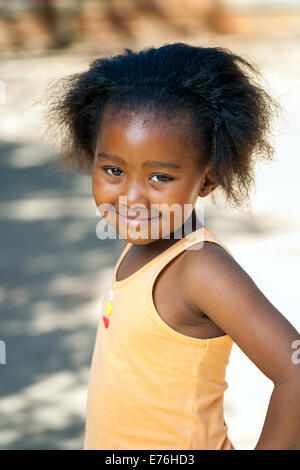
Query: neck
x=191, y=225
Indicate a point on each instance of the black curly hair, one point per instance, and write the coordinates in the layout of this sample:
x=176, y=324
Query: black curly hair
x=230, y=112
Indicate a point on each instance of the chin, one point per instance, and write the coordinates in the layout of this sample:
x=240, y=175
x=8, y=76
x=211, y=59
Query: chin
x=139, y=238
x=142, y=235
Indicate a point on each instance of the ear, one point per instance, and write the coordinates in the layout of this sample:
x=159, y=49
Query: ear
x=208, y=183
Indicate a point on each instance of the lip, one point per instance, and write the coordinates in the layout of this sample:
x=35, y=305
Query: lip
x=136, y=220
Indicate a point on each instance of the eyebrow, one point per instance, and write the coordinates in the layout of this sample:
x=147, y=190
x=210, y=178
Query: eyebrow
x=148, y=163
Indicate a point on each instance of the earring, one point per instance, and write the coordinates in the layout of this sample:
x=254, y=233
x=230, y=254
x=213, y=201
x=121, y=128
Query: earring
x=204, y=190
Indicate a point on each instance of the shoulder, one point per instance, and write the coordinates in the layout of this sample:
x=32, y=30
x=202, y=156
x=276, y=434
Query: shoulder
x=209, y=265
x=206, y=256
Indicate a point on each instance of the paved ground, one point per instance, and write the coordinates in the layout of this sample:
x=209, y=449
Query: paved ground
x=54, y=268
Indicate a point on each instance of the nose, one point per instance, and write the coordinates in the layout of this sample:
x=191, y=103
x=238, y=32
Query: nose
x=134, y=202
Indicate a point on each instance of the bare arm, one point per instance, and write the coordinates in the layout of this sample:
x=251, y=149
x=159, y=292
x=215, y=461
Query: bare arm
x=214, y=283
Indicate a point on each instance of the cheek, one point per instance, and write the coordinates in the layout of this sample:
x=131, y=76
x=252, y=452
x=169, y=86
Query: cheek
x=182, y=193
x=190, y=190
x=102, y=191
x=178, y=203
x=97, y=189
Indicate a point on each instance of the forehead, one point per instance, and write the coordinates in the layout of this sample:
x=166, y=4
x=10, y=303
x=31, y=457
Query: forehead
x=156, y=131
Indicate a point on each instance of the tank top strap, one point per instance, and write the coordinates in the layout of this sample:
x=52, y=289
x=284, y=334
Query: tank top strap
x=119, y=261
x=204, y=234
x=155, y=265
x=210, y=236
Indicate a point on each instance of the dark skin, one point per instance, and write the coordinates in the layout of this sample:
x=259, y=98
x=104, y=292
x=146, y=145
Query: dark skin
x=124, y=146
x=229, y=302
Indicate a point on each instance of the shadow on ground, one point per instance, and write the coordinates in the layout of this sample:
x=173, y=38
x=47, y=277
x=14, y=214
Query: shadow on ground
x=47, y=265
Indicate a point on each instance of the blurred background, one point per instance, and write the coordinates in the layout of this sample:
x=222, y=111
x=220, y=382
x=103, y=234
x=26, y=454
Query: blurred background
x=54, y=269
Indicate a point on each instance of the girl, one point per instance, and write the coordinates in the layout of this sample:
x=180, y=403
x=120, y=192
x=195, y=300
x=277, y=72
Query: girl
x=158, y=129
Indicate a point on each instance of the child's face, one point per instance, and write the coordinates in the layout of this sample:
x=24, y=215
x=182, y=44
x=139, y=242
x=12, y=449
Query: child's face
x=149, y=162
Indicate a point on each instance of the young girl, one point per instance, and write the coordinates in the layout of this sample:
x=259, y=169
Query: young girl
x=156, y=129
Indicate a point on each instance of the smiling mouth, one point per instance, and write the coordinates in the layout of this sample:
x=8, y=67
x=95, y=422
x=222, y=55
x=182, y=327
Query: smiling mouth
x=136, y=219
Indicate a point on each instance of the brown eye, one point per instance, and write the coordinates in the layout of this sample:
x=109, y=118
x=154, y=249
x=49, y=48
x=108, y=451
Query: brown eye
x=163, y=176
x=111, y=168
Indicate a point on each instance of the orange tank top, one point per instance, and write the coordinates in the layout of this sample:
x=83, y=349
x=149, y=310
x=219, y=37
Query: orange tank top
x=150, y=386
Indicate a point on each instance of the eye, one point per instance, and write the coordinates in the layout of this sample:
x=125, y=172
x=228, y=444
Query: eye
x=106, y=168
x=163, y=176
